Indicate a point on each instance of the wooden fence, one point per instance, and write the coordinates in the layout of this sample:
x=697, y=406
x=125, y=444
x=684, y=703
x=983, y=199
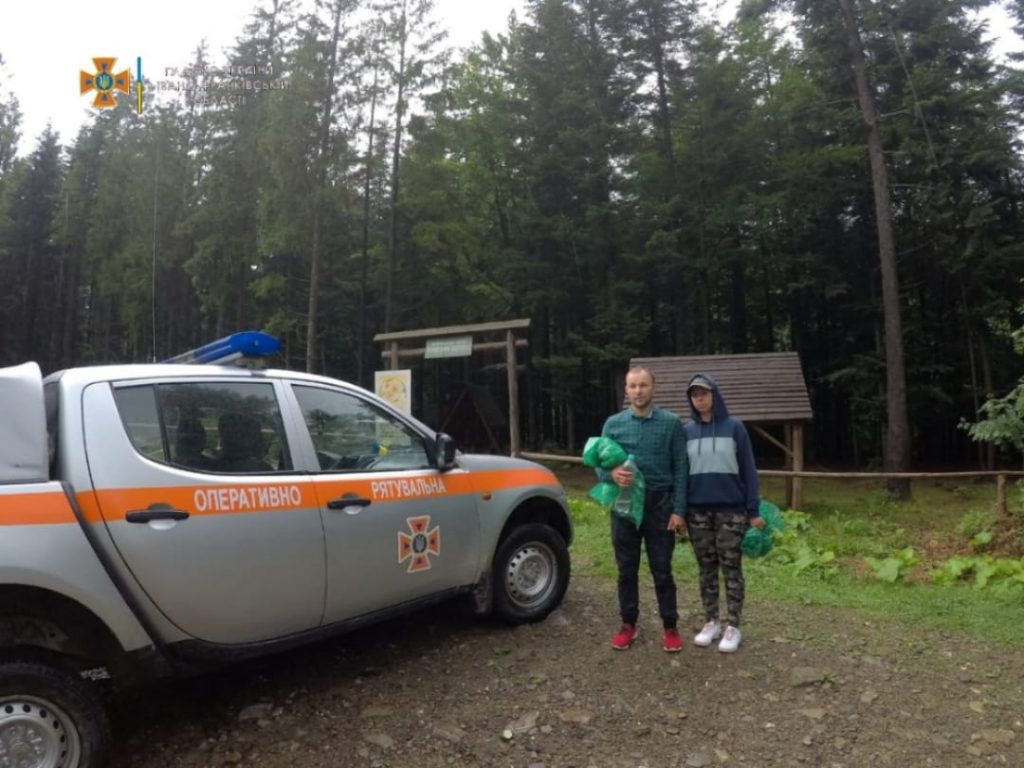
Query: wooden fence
x=1000, y=476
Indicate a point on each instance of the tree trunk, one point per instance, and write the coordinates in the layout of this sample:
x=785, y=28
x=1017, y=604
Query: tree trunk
x=396, y=152
x=664, y=118
x=738, y=310
x=897, y=443
x=989, y=387
x=769, y=314
x=704, y=304
x=364, y=263
x=314, y=281
x=319, y=195
x=974, y=369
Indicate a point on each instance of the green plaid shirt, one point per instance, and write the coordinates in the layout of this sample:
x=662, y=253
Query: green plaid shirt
x=658, y=445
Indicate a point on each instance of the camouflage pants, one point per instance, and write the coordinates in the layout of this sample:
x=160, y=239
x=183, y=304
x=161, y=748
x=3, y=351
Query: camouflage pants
x=717, y=534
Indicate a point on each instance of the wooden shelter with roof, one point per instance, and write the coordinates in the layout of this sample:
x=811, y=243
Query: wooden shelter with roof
x=761, y=389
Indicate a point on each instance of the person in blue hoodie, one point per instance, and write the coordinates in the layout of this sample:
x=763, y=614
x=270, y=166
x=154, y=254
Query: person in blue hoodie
x=723, y=501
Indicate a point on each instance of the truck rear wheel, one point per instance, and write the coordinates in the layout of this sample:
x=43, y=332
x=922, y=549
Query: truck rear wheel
x=531, y=573
x=49, y=718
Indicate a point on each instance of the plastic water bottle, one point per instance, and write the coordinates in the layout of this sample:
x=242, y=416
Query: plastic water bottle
x=624, y=501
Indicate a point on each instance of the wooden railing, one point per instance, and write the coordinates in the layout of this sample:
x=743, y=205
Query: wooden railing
x=1000, y=475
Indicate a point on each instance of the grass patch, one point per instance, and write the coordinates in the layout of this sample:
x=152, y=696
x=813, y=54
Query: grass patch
x=825, y=560
x=981, y=614
x=592, y=548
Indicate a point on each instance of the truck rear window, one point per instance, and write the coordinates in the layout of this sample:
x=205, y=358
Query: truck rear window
x=222, y=427
x=50, y=401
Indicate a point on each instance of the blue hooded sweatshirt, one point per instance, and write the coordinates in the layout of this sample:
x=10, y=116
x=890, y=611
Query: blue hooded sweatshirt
x=722, y=470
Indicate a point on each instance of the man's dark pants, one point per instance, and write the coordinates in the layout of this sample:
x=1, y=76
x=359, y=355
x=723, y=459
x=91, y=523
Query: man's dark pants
x=659, y=542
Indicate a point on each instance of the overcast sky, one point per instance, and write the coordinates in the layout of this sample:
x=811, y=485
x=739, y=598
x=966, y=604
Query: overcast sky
x=45, y=43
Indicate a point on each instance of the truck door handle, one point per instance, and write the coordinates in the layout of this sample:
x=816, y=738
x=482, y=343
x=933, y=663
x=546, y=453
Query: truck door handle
x=156, y=511
x=348, y=500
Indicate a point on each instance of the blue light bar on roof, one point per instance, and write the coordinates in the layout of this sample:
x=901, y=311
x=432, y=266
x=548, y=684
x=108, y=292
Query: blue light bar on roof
x=231, y=348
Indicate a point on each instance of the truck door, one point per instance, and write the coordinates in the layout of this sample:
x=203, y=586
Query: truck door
x=195, y=482
x=397, y=528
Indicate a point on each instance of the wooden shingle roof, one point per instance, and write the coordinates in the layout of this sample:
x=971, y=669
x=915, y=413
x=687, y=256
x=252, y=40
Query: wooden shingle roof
x=759, y=388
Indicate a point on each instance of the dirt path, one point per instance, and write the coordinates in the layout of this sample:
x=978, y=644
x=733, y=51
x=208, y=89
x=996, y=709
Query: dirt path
x=811, y=686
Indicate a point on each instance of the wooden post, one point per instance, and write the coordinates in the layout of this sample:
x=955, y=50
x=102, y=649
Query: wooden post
x=513, y=393
x=787, y=430
x=798, y=466
x=1001, y=507
x=393, y=365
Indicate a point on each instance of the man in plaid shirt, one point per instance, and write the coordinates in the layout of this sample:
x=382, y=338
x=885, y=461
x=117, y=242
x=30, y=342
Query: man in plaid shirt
x=655, y=439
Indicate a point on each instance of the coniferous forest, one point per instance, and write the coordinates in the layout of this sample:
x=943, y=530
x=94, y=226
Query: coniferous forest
x=842, y=178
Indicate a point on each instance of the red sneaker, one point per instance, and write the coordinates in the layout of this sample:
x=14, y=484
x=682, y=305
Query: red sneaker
x=672, y=642
x=624, y=637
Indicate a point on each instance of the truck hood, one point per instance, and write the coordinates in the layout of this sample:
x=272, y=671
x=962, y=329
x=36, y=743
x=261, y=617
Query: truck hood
x=527, y=477
x=479, y=462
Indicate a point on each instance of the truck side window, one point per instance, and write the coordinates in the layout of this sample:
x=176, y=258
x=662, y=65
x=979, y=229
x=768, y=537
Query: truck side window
x=229, y=427
x=349, y=433
x=137, y=406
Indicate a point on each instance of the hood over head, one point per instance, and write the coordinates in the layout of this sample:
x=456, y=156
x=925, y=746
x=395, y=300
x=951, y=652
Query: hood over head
x=707, y=381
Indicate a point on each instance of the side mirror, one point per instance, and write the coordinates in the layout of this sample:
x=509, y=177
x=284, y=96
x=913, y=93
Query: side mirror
x=444, y=454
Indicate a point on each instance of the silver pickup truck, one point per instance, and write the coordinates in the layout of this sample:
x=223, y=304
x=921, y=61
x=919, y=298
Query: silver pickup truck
x=160, y=519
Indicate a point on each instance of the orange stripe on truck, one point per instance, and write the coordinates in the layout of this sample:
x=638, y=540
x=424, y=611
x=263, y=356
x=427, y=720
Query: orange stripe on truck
x=89, y=506
x=391, y=488
x=503, y=479
x=47, y=508
x=286, y=493
x=202, y=499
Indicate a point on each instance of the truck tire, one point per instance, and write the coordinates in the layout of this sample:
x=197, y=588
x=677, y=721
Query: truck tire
x=49, y=718
x=531, y=573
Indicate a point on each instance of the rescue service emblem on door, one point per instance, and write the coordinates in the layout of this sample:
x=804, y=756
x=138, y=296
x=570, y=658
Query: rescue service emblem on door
x=419, y=544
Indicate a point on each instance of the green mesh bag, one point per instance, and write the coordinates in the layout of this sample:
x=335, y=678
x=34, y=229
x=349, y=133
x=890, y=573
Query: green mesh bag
x=604, y=494
x=605, y=453
x=757, y=542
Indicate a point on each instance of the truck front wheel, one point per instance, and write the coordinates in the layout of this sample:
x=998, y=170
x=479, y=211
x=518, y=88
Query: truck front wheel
x=531, y=573
x=49, y=718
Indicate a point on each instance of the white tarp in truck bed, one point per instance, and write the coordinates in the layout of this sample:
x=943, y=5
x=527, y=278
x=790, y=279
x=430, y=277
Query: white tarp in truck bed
x=24, y=456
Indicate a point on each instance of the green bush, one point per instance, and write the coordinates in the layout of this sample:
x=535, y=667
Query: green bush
x=796, y=522
x=976, y=521
x=857, y=527
x=791, y=549
x=982, y=571
x=894, y=568
x=981, y=540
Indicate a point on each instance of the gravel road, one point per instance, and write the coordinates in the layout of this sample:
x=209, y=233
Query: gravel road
x=811, y=686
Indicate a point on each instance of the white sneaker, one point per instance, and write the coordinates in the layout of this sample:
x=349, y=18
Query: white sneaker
x=730, y=640
x=711, y=632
